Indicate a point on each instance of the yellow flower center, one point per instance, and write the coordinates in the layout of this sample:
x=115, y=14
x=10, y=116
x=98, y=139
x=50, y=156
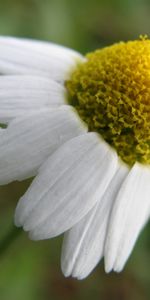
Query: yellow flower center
x=111, y=93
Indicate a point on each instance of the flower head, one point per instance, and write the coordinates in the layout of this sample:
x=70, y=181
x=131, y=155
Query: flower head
x=82, y=126
x=111, y=93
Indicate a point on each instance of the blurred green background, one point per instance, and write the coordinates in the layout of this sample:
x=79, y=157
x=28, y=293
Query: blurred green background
x=31, y=270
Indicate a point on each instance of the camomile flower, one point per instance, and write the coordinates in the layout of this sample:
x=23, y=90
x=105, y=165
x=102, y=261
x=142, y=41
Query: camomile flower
x=81, y=126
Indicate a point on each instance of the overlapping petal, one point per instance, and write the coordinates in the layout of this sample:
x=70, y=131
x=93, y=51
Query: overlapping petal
x=83, y=245
x=130, y=212
x=67, y=187
x=28, y=141
x=21, y=95
x=21, y=56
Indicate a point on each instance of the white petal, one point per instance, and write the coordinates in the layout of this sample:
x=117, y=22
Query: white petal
x=21, y=94
x=19, y=56
x=129, y=215
x=28, y=141
x=67, y=187
x=83, y=244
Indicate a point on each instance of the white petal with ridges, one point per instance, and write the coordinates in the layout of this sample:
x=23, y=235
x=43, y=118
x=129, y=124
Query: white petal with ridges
x=83, y=245
x=67, y=187
x=29, y=141
x=21, y=56
x=21, y=94
x=130, y=213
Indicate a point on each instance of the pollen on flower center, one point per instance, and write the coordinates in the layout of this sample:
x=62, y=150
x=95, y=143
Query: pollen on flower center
x=111, y=93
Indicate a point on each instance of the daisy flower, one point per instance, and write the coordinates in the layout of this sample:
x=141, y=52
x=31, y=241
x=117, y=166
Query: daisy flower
x=81, y=126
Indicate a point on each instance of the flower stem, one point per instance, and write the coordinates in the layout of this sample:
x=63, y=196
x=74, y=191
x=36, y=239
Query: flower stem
x=13, y=233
